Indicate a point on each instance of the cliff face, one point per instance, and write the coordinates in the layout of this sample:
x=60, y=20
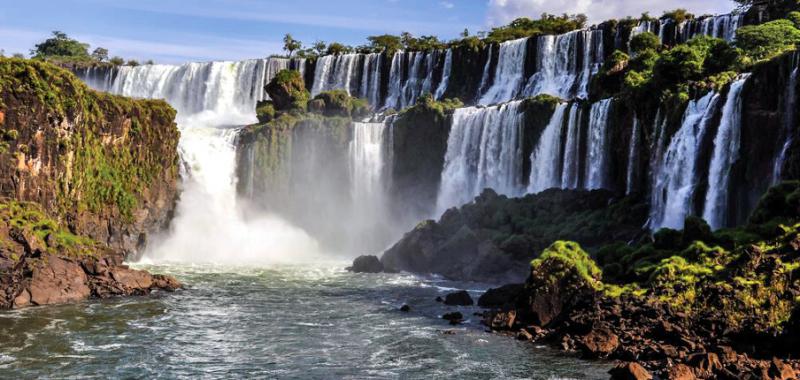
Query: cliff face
x=101, y=172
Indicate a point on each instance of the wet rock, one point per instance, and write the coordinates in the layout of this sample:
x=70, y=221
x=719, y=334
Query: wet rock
x=366, y=264
x=460, y=298
x=56, y=281
x=164, y=282
x=524, y=335
x=23, y=299
x=503, y=320
x=780, y=370
x=405, y=308
x=680, y=372
x=630, y=371
x=600, y=342
x=504, y=296
x=439, y=299
x=454, y=318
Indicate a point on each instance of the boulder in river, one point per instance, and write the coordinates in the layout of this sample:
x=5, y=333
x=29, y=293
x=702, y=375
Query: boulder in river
x=366, y=264
x=459, y=298
x=454, y=318
x=501, y=297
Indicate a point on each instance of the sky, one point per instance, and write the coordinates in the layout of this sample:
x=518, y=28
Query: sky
x=174, y=31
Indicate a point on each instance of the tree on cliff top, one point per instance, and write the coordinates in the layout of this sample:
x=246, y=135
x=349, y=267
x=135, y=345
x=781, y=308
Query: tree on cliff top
x=290, y=44
x=60, y=45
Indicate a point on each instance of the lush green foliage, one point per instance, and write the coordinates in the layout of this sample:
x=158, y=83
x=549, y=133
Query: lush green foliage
x=547, y=24
x=644, y=41
x=768, y=40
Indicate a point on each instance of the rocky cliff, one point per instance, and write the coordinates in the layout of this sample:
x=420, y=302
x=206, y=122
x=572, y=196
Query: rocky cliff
x=85, y=177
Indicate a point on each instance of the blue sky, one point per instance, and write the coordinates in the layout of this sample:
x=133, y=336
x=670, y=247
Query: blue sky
x=171, y=31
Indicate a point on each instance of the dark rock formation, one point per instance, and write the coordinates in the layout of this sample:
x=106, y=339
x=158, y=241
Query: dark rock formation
x=366, y=264
x=502, y=297
x=630, y=371
x=454, y=318
x=85, y=177
x=460, y=298
x=287, y=91
x=493, y=238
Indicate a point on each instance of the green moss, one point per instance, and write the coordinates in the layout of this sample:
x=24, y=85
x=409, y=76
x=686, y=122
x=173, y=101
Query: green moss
x=104, y=174
x=27, y=216
x=570, y=256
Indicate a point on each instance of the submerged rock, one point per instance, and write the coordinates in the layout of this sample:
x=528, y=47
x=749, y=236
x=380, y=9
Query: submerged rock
x=366, y=264
x=454, y=318
x=630, y=371
x=405, y=308
x=460, y=298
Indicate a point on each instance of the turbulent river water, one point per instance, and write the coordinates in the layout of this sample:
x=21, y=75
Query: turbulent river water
x=285, y=321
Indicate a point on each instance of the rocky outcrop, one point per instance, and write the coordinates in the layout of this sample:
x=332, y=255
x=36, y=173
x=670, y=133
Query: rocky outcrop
x=366, y=264
x=494, y=237
x=459, y=298
x=85, y=177
x=696, y=304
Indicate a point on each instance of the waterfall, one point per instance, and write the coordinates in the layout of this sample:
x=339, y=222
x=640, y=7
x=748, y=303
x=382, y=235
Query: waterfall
x=336, y=72
x=509, y=74
x=570, y=175
x=483, y=151
x=371, y=79
x=545, y=158
x=210, y=98
x=675, y=177
x=368, y=162
x=789, y=120
x=486, y=72
x=566, y=63
x=726, y=152
x=597, y=157
x=412, y=75
x=633, y=158
x=448, y=67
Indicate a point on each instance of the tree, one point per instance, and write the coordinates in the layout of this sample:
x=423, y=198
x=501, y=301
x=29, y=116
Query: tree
x=385, y=42
x=319, y=47
x=100, y=54
x=465, y=33
x=18, y=55
x=406, y=38
x=60, y=45
x=644, y=41
x=290, y=44
x=767, y=40
x=336, y=48
x=117, y=61
x=149, y=62
x=133, y=63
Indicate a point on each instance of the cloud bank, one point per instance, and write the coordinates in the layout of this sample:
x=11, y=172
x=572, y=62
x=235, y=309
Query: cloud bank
x=502, y=11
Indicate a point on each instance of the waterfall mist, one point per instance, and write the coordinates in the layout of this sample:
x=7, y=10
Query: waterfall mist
x=212, y=99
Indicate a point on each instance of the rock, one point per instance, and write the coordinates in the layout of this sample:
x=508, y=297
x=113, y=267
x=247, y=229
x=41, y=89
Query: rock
x=366, y=264
x=630, y=371
x=165, y=282
x=680, y=372
x=503, y=320
x=524, y=335
x=707, y=362
x=503, y=296
x=781, y=371
x=132, y=279
x=460, y=298
x=439, y=299
x=23, y=299
x=600, y=342
x=454, y=318
x=287, y=90
x=2, y=118
x=405, y=308
x=55, y=281
x=557, y=283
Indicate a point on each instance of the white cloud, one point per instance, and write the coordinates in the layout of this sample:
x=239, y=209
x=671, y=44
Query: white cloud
x=502, y=11
x=447, y=4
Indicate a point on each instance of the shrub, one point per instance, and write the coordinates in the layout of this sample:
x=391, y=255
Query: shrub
x=765, y=41
x=644, y=41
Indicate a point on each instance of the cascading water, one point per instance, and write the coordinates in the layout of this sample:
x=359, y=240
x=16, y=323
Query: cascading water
x=483, y=151
x=336, y=72
x=726, y=152
x=211, y=99
x=448, y=67
x=566, y=63
x=413, y=74
x=570, y=175
x=545, y=158
x=371, y=79
x=633, y=158
x=509, y=75
x=789, y=120
x=675, y=177
x=485, y=77
x=368, y=162
x=597, y=156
